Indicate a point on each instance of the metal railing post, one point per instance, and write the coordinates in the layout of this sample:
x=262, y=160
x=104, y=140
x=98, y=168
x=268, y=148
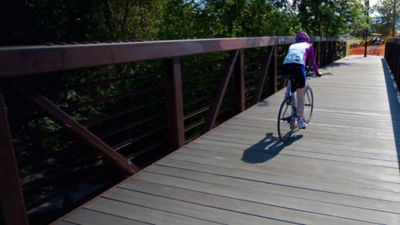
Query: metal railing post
x=12, y=205
x=318, y=52
x=175, y=103
x=239, y=101
x=274, y=77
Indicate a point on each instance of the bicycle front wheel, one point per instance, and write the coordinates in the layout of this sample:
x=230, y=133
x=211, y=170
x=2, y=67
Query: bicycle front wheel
x=308, y=104
x=286, y=120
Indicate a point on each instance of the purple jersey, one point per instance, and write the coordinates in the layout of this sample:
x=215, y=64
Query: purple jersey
x=298, y=53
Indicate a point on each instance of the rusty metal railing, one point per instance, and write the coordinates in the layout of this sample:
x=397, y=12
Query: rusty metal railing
x=152, y=98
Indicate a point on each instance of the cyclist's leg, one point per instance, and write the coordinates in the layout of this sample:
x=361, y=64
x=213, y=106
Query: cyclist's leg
x=300, y=96
x=287, y=70
x=288, y=87
x=300, y=101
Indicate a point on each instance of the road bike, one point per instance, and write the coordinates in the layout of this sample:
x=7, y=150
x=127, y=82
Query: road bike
x=288, y=114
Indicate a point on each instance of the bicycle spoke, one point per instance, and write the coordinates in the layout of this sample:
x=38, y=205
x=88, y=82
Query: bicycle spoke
x=286, y=120
x=308, y=104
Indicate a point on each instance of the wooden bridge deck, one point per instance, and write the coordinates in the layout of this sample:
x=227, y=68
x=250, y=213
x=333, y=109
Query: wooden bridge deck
x=343, y=169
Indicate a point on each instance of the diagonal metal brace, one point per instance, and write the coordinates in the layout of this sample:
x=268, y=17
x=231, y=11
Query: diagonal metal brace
x=71, y=125
x=212, y=116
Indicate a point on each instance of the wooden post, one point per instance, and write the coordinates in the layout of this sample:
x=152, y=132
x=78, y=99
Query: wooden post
x=72, y=126
x=212, y=115
x=175, y=103
x=263, y=75
x=239, y=101
x=12, y=205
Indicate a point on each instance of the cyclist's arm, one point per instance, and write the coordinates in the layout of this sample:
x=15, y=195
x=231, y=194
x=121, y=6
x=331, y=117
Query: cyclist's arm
x=311, y=59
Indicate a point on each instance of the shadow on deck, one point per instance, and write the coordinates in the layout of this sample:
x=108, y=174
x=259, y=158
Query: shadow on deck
x=394, y=102
x=340, y=170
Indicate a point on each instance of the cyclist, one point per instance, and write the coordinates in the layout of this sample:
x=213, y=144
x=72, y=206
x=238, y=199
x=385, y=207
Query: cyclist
x=294, y=70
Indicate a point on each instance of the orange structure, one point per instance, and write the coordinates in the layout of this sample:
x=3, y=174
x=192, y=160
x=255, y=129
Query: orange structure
x=371, y=50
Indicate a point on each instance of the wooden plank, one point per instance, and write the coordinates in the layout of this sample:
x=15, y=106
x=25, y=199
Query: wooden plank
x=93, y=217
x=370, y=169
x=361, y=176
x=243, y=206
x=280, y=181
x=66, y=223
x=387, y=154
x=257, y=192
x=212, y=116
x=143, y=213
x=269, y=145
x=184, y=204
x=343, y=169
x=12, y=206
x=71, y=126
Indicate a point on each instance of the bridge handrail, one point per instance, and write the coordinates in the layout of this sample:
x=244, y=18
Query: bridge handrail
x=392, y=57
x=25, y=60
x=18, y=64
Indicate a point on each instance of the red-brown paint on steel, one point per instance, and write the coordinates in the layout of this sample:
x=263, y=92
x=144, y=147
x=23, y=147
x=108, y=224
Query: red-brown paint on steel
x=12, y=206
x=41, y=59
x=72, y=126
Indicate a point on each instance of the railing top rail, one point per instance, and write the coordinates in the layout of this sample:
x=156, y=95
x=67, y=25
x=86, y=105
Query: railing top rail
x=24, y=60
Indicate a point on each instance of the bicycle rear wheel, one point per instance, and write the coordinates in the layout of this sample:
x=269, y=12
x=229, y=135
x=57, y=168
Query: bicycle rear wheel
x=308, y=104
x=286, y=120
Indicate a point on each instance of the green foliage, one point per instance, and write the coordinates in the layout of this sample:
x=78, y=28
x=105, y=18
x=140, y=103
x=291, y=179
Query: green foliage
x=42, y=21
x=180, y=21
x=107, y=100
x=134, y=19
x=331, y=18
x=388, y=19
x=220, y=18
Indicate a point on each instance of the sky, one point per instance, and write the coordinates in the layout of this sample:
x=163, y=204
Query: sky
x=371, y=4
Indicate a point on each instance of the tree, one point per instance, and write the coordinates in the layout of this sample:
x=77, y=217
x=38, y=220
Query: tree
x=41, y=21
x=389, y=14
x=227, y=18
x=331, y=18
x=182, y=20
x=269, y=18
x=134, y=19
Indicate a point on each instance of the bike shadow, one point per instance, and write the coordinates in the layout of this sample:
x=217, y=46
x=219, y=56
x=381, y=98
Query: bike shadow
x=267, y=148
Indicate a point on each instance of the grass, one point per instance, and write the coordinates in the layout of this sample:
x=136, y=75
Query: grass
x=349, y=42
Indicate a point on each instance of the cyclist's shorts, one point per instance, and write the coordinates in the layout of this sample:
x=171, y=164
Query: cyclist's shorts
x=296, y=73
